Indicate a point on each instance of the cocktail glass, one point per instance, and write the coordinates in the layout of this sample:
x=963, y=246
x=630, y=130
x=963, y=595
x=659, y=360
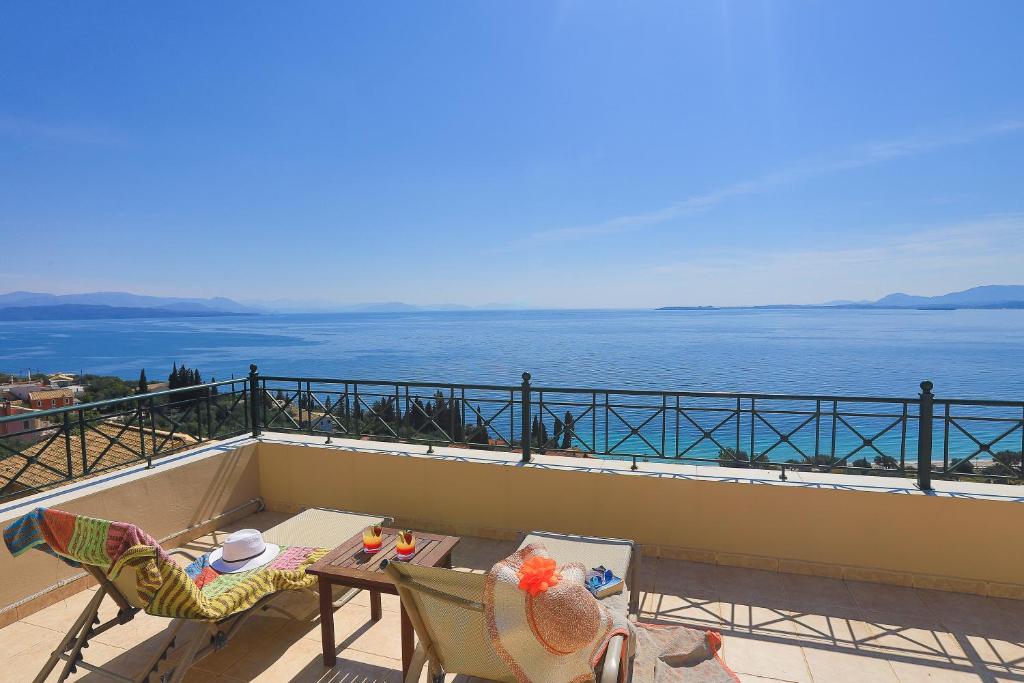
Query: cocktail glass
x=372, y=539
x=405, y=547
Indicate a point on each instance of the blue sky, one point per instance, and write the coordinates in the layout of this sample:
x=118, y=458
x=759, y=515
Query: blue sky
x=545, y=153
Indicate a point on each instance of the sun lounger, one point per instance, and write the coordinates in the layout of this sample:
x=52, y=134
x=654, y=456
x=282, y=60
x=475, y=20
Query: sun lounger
x=137, y=574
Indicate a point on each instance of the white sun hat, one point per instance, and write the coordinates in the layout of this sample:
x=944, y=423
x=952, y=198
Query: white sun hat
x=243, y=550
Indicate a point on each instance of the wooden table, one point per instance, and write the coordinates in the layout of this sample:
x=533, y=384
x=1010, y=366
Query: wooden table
x=350, y=566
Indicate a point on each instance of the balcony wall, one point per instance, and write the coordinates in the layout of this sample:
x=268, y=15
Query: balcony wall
x=961, y=538
x=859, y=528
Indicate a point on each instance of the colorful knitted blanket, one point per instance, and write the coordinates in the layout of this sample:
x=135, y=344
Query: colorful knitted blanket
x=135, y=561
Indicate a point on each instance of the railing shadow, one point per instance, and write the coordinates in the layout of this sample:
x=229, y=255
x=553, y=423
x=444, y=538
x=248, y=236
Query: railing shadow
x=946, y=632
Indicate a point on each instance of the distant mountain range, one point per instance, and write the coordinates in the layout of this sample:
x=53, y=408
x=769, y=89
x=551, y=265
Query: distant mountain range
x=98, y=305
x=985, y=296
x=293, y=306
x=124, y=300
x=97, y=312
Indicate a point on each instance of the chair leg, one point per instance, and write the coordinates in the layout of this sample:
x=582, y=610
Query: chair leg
x=419, y=658
x=189, y=655
x=80, y=628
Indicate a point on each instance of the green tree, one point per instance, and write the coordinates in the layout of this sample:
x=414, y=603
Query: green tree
x=886, y=462
x=143, y=387
x=732, y=457
x=569, y=424
x=961, y=466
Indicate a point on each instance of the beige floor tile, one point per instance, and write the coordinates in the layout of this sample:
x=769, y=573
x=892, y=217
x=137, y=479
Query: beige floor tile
x=139, y=630
x=302, y=662
x=25, y=665
x=885, y=599
x=999, y=656
x=812, y=592
x=749, y=678
x=765, y=658
x=750, y=586
x=847, y=667
x=756, y=620
x=910, y=672
x=683, y=578
x=1012, y=610
x=353, y=629
x=919, y=642
x=21, y=636
x=672, y=609
x=388, y=602
x=826, y=630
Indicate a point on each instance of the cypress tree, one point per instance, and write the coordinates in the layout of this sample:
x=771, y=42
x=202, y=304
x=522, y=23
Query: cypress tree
x=143, y=384
x=567, y=433
x=172, y=379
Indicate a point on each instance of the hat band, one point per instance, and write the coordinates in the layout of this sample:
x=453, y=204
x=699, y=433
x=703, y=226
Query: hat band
x=242, y=559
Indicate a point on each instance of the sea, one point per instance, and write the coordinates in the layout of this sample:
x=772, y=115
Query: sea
x=976, y=354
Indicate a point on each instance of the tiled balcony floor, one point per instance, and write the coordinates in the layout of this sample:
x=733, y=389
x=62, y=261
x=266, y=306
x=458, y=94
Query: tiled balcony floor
x=777, y=627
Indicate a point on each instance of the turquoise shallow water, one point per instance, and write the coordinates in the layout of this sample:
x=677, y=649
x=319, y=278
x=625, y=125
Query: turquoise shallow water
x=972, y=354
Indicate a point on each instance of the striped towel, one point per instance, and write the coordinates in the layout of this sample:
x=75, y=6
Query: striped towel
x=162, y=587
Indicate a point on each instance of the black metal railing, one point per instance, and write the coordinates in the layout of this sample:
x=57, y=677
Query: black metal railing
x=923, y=437
x=41, y=449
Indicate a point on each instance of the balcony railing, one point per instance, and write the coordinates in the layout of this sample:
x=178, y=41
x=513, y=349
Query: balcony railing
x=43, y=449
x=921, y=437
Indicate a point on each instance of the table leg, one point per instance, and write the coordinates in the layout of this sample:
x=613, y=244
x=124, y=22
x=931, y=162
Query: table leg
x=375, y=608
x=408, y=642
x=327, y=621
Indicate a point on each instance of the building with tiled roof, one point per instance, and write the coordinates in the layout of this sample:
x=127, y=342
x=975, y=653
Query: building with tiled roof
x=108, y=446
x=45, y=399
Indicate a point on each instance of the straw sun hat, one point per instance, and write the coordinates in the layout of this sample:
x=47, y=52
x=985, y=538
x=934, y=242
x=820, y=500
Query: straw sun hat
x=543, y=622
x=243, y=550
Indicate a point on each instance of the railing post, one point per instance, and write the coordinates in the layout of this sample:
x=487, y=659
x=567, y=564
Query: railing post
x=526, y=436
x=254, y=404
x=924, y=437
x=140, y=416
x=67, y=443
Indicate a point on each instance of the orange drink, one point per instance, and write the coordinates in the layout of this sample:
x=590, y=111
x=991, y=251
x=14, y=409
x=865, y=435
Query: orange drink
x=406, y=545
x=372, y=539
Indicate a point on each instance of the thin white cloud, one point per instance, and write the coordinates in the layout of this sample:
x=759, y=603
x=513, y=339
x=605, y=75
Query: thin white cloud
x=865, y=155
x=927, y=261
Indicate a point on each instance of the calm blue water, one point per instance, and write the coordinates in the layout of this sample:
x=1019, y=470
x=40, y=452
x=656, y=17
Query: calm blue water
x=966, y=353
x=972, y=354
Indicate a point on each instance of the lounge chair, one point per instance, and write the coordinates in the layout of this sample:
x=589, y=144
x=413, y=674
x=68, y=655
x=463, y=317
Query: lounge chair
x=446, y=608
x=137, y=574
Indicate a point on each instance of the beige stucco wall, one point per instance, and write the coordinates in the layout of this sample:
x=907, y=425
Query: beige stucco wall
x=907, y=538
x=170, y=498
x=950, y=542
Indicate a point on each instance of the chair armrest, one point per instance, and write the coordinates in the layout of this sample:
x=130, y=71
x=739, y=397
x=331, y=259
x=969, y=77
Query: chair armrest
x=186, y=553
x=613, y=660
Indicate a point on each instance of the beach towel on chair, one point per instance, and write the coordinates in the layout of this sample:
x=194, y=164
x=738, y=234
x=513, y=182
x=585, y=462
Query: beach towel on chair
x=164, y=588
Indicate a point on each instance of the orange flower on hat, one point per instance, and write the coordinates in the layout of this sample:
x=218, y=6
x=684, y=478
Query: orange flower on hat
x=537, y=574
